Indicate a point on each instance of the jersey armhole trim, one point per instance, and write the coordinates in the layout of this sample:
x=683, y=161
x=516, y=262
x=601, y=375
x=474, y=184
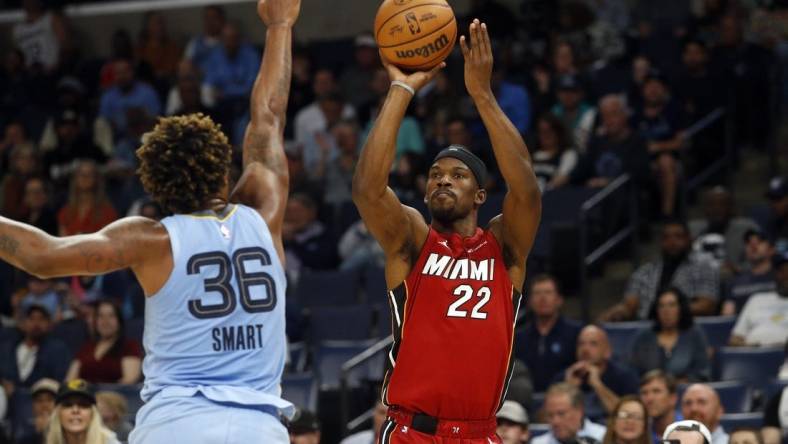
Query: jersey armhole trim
x=175, y=248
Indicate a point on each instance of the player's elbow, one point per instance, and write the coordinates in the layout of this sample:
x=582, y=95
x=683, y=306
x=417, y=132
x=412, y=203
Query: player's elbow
x=266, y=119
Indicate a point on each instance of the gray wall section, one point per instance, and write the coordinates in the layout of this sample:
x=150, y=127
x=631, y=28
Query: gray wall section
x=320, y=19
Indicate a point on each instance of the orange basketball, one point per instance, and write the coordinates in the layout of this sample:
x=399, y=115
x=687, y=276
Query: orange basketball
x=415, y=34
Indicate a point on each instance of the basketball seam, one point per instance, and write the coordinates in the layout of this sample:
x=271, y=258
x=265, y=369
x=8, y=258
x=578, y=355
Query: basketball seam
x=383, y=25
x=453, y=39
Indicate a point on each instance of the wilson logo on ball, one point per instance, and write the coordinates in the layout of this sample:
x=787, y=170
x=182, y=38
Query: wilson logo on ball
x=426, y=50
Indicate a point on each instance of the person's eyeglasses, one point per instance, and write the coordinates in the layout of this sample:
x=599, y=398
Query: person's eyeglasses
x=627, y=415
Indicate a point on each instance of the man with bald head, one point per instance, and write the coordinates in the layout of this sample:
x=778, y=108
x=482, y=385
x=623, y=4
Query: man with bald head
x=701, y=403
x=601, y=379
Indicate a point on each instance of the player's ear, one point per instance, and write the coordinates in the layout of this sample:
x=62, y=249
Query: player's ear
x=481, y=196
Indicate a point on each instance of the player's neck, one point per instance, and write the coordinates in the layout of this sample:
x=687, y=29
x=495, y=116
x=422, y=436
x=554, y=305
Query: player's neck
x=217, y=204
x=464, y=227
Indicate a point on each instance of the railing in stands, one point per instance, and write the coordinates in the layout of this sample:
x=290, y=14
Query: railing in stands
x=349, y=365
x=630, y=230
x=721, y=164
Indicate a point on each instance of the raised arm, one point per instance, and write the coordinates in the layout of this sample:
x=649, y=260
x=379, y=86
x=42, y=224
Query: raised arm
x=135, y=242
x=264, y=182
x=396, y=227
x=522, y=206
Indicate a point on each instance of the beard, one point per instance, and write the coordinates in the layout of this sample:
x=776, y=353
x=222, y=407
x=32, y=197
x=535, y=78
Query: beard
x=446, y=215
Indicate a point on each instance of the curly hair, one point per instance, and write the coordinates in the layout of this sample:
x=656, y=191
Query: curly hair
x=184, y=162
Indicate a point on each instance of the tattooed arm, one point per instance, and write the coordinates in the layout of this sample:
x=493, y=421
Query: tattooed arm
x=264, y=183
x=133, y=242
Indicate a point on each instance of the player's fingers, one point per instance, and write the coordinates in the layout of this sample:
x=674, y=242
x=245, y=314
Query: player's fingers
x=475, y=39
x=466, y=52
x=434, y=71
x=486, y=41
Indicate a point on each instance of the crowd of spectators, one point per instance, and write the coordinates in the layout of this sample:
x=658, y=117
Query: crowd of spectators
x=599, y=88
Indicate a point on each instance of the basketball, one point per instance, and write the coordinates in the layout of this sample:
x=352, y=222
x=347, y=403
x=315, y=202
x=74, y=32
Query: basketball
x=415, y=34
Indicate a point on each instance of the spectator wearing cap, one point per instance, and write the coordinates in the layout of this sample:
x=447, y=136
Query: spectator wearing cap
x=199, y=48
x=72, y=143
x=659, y=121
x=628, y=423
x=719, y=235
x=576, y=114
x=756, y=277
x=689, y=432
x=512, y=423
x=304, y=428
x=701, y=403
x=356, y=78
x=76, y=420
x=113, y=409
x=126, y=94
x=617, y=150
x=370, y=436
x=564, y=409
x=764, y=319
x=775, y=222
x=548, y=343
x=43, y=394
x=33, y=355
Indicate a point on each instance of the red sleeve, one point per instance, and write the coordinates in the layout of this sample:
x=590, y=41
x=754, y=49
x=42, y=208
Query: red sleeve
x=132, y=348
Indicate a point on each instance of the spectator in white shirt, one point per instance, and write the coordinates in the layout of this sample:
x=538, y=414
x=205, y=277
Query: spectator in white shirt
x=313, y=119
x=764, y=319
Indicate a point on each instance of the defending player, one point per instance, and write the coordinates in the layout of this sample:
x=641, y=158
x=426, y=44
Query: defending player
x=212, y=273
x=455, y=287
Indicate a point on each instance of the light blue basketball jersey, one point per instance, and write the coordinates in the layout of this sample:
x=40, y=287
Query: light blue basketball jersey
x=217, y=326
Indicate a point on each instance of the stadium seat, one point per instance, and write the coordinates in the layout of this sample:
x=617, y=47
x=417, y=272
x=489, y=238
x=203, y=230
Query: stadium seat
x=735, y=396
x=129, y=391
x=717, y=329
x=301, y=390
x=20, y=409
x=383, y=323
x=341, y=323
x=375, y=289
x=773, y=387
x=733, y=421
x=537, y=401
x=621, y=334
x=538, y=429
x=134, y=329
x=297, y=356
x=752, y=365
x=73, y=332
x=330, y=355
x=328, y=288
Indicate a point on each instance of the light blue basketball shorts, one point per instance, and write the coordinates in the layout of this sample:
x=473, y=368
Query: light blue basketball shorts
x=198, y=420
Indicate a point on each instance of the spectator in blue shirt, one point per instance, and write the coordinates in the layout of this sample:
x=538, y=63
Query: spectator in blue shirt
x=548, y=342
x=232, y=66
x=201, y=46
x=513, y=100
x=128, y=93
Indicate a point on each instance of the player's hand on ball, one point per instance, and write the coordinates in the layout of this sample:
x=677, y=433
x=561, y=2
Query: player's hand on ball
x=415, y=80
x=478, y=59
x=278, y=12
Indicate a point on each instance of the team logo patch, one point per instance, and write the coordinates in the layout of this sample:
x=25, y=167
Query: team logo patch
x=225, y=231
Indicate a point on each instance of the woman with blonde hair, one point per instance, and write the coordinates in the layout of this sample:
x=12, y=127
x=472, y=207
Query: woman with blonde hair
x=76, y=420
x=87, y=209
x=628, y=423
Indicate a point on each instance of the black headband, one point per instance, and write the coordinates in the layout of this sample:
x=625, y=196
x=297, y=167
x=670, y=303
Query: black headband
x=473, y=163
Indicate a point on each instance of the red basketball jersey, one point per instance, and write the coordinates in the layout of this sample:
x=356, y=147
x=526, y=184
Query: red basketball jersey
x=453, y=326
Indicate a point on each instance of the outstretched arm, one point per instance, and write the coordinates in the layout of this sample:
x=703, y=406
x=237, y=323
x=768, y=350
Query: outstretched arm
x=522, y=206
x=395, y=226
x=264, y=182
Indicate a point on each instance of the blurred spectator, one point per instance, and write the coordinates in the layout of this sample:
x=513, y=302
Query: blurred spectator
x=357, y=248
x=699, y=89
x=71, y=96
x=16, y=86
x=614, y=12
x=619, y=150
x=24, y=164
x=43, y=395
x=35, y=354
x=548, y=344
x=110, y=357
x=628, y=423
x=658, y=393
x=775, y=222
x=719, y=237
x=408, y=180
x=327, y=109
x=379, y=413
x=513, y=100
x=189, y=95
x=113, y=409
x=564, y=60
x=121, y=48
x=301, y=94
x=232, y=66
x=42, y=36
x=320, y=146
x=757, y=276
x=41, y=293
x=601, y=379
x=356, y=78
x=14, y=135
x=304, y=428
x=521, y=389
x=512, y=423
x=157, y=49
x=689, y=432
x=300, y=181
x=409, y=137
x=199, y=48
x=763, y=321
x=89, y=289
x=308, y=243
x=659, y=121
x=72, y=143
x=338, y=157
x=126, y=94
x=87, y=209
x=76, y=417
x=564, y=408
x=457, y=131
x=675, y=268
x=555, y=156
x=701, y=403
x=577, y=116
x=673, y=343
x=746, y=436
x=39, y=211
x=436, y=103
